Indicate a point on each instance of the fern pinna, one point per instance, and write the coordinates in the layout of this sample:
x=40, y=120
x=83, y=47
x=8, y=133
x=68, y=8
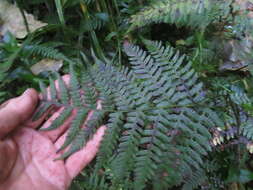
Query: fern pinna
x=156, y=116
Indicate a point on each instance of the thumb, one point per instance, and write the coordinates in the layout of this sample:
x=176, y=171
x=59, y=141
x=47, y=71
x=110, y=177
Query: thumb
x=16, y=111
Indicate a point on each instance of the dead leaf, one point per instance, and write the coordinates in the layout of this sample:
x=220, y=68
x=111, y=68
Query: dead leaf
x=46, y=65
x=13, y=21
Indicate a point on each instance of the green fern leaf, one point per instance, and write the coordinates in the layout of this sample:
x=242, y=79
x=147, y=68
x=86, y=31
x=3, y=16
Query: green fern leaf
x=53, y=92
x=110, y=140
x=42, y=108
x=43, y=90
x=75, y=88
x=75, y=127
x=84, y=135
x=46, y=52
x=63, y=91
x=128, y=146
x=60, y=120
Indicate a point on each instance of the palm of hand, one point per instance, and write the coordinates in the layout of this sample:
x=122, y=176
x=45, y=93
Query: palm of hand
x=35, y=166
x=28, y=160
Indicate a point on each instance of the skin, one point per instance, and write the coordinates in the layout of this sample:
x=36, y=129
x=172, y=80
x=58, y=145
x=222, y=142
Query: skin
x=27, y=155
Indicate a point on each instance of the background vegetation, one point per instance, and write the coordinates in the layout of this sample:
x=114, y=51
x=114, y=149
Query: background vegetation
x=216, y=36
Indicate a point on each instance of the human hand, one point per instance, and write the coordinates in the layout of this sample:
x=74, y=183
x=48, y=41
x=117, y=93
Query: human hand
x=27, y=155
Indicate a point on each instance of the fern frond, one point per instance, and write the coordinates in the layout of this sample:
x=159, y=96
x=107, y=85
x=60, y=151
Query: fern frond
x=153, y=111
x=181, y=12
x=45, y=52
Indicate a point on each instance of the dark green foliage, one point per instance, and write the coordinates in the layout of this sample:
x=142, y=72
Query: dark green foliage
x=153, y=112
